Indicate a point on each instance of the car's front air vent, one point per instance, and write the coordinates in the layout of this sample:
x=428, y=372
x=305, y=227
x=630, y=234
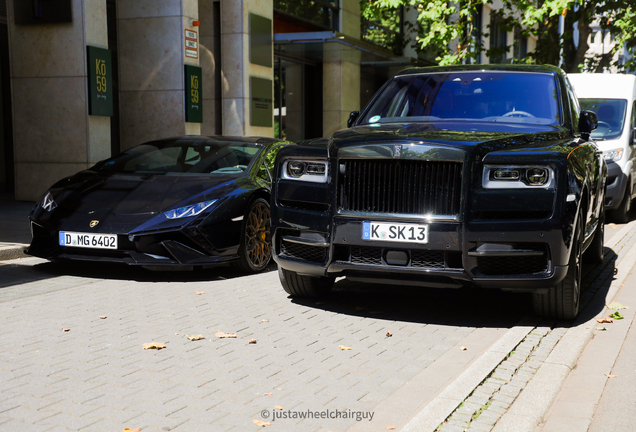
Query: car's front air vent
x=316, y=254
x=400, y=186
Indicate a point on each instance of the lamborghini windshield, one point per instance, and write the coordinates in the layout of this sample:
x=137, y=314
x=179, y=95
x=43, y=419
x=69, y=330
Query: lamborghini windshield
x=186, y=157
x=505, y=97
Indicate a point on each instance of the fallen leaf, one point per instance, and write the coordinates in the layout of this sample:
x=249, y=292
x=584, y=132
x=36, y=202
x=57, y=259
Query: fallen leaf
x=265, y=320
x=261, y=423
x=199, y=292
x=389, y=334
x=195, y=337
x=279, y=388
x=610, y=376
x=65, y=329
x=345, y=348
x=616, y=306
x=612, y=225
x=154, y=345
x=604, y=320
x=251, y=341
x=131, y=430
x=268, y=394
x=600, y=328
x=103, y=317
x=617, y=315
x=278, y=407
x=587, y=327
x=463, y=348
x=222, y=335
x=390, y=427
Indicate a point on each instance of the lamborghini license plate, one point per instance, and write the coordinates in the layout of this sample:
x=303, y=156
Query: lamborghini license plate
x=87, y=240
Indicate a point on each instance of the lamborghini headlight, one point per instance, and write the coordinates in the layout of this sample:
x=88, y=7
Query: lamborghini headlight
x=187, y=211
x=507, y=177
x=310, y=171
x=48, y=203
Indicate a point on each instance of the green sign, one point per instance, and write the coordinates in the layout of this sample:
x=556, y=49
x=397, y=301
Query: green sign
x=261, y=103
x=193, y=96
x=100, y=82
x=260, y=40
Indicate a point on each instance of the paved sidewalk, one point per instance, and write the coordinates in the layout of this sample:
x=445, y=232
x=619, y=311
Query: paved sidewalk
x=600, y=393
x=15, y=234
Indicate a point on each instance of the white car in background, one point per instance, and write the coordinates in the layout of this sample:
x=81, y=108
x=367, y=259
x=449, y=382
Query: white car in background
x=611, y=97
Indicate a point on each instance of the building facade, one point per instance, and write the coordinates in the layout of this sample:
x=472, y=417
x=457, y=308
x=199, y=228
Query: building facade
x=81, y=80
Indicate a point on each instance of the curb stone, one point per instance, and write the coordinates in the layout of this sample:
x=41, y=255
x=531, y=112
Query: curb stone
x=533, y=403
x=12, y=251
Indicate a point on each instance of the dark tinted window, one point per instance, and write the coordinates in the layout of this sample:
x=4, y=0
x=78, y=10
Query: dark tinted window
x=184, y=157
x=610, y=114
x=505, y=97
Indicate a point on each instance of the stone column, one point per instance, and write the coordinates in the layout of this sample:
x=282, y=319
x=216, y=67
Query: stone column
x=52, y=132
x=341, y=73
x=151, y=47
x=236, y=68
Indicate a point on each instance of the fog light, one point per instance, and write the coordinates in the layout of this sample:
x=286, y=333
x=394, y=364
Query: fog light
x=537, y=176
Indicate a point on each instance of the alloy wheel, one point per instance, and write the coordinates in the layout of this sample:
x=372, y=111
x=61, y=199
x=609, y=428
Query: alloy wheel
x=257, y=236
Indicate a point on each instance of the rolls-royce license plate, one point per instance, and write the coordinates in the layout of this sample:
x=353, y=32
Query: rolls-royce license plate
x=395, y=232
x=88, y=240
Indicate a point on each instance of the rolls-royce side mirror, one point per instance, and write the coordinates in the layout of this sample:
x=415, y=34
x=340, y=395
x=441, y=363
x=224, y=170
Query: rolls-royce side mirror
x=352, y=118
x=587, y=122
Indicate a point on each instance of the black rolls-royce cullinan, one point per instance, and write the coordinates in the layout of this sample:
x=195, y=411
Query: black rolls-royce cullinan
x=180, y=202
x=479, y=176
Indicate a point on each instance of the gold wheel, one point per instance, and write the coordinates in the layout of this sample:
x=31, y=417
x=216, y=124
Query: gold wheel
x=258, y=243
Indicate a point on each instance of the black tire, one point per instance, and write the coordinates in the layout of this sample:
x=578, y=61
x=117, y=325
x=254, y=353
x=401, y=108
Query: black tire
x=595, y=253
x=623, y=213
x=255, y=247
x=562, y=301
x=304, y=286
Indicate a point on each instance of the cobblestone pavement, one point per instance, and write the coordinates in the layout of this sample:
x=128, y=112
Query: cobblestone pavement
x=492, y=398
x=407, y=345
x=97, y=377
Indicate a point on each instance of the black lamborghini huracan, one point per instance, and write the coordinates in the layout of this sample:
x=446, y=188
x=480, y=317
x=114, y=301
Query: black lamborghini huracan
x=179, y=202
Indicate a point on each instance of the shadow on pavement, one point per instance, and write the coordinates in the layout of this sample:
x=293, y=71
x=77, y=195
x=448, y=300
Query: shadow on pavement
x=467, y=307
x=17, y=274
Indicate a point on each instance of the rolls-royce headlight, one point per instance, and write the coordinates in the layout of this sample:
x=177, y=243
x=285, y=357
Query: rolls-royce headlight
x=507, y=177
x=48, y=203
x=191, y=210
x=310, y=171
x=613, y=155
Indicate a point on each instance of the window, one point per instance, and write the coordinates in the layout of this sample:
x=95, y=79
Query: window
x=267, y=167
x=498, y=97
x=520, y=46
x=498, y=40
x=300, y=15
x=575, y=108
x=610, y=114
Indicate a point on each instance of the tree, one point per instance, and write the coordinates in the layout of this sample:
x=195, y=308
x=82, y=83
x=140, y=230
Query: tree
x=448, y=29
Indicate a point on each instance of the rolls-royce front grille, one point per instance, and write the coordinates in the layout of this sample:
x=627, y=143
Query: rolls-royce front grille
x=400, y=186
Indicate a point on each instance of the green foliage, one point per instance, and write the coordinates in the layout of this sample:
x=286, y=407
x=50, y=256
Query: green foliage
x=447, y=29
